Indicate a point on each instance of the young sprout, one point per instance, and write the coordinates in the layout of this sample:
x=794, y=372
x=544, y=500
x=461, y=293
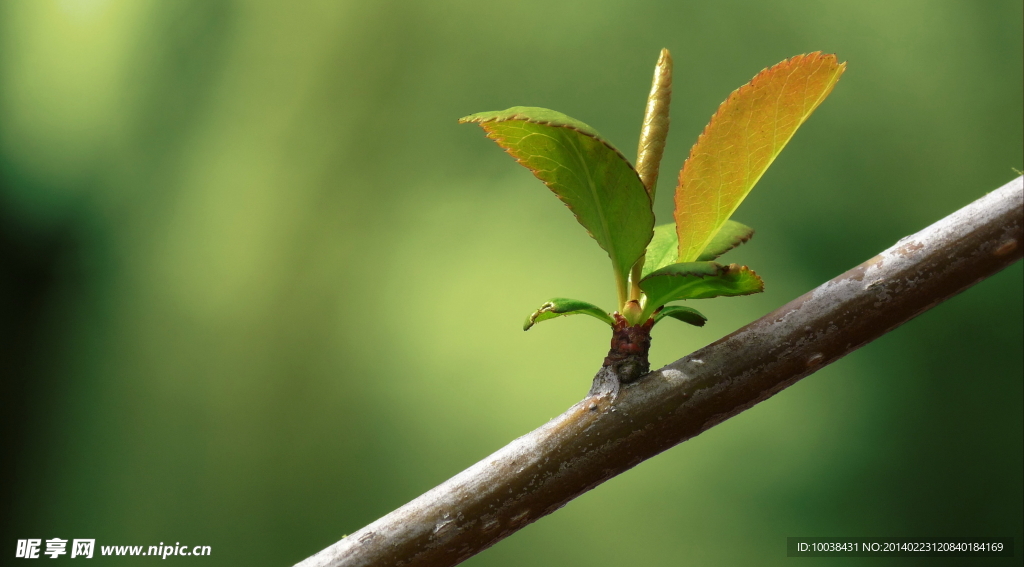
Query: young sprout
x=654, y=266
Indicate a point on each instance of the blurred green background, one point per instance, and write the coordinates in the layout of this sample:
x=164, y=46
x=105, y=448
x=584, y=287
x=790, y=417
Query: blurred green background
x=259, y=288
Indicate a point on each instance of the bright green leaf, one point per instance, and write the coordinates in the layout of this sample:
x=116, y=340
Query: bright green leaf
x=587, y=173
x=731, y=235
x=561, y=306
x=743, y=138
x=697, y=280
x=663, y=249
x=684, y=314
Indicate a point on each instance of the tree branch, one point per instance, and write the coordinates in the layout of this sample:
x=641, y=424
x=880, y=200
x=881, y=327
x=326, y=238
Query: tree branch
x=605, y=435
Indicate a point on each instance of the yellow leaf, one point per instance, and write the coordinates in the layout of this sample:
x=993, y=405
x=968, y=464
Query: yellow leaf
x=743, y=138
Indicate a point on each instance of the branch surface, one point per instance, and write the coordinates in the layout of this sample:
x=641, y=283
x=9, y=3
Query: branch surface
x=606, y=434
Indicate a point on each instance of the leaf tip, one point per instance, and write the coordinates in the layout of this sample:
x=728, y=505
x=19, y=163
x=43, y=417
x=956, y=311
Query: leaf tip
x=738, y=270
x=532, y=319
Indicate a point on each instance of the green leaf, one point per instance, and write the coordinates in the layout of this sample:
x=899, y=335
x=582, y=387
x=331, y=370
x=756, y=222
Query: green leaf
x=697, y=280
x=561, y=306
x=684, y=314
x=587, y=173
x=663, y=249
x=731, y=235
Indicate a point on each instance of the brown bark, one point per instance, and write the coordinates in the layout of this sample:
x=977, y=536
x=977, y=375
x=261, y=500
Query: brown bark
x=611, y=431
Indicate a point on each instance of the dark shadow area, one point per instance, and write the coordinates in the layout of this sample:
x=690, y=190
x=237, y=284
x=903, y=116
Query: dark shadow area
x=36, y=271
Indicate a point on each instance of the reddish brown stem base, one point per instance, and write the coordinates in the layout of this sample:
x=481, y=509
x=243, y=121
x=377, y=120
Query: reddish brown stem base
x=627, y=358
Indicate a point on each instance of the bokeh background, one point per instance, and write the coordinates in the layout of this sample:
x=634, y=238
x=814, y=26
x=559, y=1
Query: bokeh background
x=259, y=288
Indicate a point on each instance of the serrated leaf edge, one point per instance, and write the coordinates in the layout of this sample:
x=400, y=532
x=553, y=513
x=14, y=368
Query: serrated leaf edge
x=729, y=249
x=840, y=69
x=722, y=270
x=522, y=118
x=593, y=135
